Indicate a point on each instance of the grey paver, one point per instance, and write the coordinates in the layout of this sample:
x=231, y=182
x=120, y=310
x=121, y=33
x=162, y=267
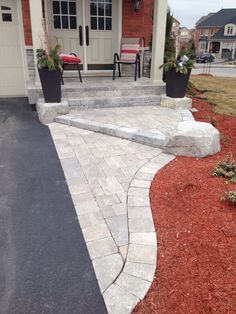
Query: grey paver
x=96, y=232
x=142, y=254
x=107, y=200
x=143, y=271
x=136, y=191
x=89, y=206
x=120, y=209
x=107, y=268
x=100, y=248
x=140, y=183
x=134, y=285
x=107, y=211
x=145, y=238
x=91, y=219
x=119, y=229
x=79, y=188
x=119, y=300
x=123, y=251
x=138, y=201
x=141, y=225
x=139, y=212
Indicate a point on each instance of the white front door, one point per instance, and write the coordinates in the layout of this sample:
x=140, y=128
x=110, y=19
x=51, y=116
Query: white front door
x=12, y=80
x=101, y=33
x=88, y=28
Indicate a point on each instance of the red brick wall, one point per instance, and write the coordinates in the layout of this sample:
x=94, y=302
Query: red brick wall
x=26, y=22
x=138, y=24
x=197, y=35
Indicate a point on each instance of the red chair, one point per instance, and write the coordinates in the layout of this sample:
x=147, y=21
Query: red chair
x=71, y=59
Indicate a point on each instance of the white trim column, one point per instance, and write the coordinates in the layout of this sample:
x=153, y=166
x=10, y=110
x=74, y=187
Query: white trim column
x=120, y=20
x=36, y=15
x=158, y=39
x=234, y=50
x=221, y=44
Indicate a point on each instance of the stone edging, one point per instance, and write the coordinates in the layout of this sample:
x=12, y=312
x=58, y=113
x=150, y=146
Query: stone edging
x=139, y=268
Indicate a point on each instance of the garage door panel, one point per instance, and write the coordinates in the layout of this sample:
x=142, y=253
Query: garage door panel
x=12, y=80
x=10, y=57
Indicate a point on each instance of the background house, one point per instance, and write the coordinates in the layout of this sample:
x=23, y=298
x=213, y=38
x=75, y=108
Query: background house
x=185, y=38
x=174, y=35
x=216, y=33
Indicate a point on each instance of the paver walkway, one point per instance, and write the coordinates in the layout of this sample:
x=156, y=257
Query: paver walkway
x=109, y=180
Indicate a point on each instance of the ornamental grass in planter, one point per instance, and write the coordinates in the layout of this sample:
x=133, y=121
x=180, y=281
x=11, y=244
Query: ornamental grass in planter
x=50, y=69
x=177, y=73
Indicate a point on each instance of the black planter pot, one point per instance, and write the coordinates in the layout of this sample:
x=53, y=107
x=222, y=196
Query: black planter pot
x=176, y=83
x=51, y=84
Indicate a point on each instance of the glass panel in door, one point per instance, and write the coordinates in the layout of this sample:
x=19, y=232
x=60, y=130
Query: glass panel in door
x=65, y=18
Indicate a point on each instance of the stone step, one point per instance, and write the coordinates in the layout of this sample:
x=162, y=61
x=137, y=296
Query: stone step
x=111, y=102
x=112, y=91
x=86, y=90
x=148, y=138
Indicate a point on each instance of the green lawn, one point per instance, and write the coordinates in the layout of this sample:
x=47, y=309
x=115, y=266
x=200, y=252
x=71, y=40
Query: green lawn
x=220, y=91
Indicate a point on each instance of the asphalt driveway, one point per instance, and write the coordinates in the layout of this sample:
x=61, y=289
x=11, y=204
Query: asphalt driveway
x=44, y=263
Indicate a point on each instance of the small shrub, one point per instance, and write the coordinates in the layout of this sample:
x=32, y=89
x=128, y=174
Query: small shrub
x=226, y=168
x=230, y=196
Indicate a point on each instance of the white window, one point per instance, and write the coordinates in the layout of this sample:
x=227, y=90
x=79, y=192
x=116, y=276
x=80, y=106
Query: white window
x=6, y=14
x=101, y=14
x=230, y=30
x=64, y=14
x=204, y=32
x=203, y=45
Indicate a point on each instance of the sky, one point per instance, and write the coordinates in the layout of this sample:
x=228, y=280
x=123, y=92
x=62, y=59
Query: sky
x=188, y=12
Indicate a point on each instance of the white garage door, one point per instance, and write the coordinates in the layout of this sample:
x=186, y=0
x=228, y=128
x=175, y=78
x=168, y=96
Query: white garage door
x=12, y=81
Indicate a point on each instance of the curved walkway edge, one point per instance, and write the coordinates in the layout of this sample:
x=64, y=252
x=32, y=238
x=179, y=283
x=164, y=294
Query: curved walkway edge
x=109, y=181
x=137, y=275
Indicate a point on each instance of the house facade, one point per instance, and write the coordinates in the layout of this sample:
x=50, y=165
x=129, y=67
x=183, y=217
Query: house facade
x=185, y=38
x=93, y=29
x=216, y=33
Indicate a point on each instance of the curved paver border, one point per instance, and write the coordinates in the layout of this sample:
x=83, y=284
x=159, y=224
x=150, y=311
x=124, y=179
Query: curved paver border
x=139, y=268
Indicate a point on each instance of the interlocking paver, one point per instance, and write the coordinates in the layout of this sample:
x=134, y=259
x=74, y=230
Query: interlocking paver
x=107, y=268
x=109, y=180
x=134, y=285
x=141, y=225
x=118, y=300
x=100, y=248
x=142, y=254
x=96, y=232
x=91, y=219
x=146, y=238
x=119, y=229
x=143, y=271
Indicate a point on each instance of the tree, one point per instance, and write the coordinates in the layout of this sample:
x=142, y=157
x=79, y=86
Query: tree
x=169, y=46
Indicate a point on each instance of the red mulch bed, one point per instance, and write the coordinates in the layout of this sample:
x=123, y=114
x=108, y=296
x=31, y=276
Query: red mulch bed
x=196, y=230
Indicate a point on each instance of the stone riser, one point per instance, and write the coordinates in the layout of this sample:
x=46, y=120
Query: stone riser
x=142, y=137
x=35, y=94
x=88, y=103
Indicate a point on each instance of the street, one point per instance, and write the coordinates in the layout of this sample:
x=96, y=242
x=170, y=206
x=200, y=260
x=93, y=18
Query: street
x=217, y=70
